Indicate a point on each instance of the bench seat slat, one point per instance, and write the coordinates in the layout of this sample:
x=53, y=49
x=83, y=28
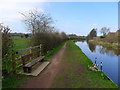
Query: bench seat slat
x=30, y=64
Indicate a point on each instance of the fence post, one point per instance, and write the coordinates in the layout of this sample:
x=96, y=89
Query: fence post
x=13, y=62
x=30, y=52
x=23, y=60
x=40, y=49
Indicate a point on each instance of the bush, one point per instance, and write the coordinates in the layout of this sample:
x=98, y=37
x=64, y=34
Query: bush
x=26, y=35
x=102, y=36
x=7, y=49
x=48, y=40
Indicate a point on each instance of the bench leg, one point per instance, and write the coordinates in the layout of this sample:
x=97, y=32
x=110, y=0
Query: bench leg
x=25, y=69
x=29, y=70
x=42, y=60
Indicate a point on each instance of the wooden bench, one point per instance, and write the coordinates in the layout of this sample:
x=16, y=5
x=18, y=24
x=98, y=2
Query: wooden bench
x=27, y=67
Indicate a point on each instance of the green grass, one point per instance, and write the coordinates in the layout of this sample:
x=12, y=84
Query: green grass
x=13, y=81
x=106, y=44
x=21, y=43
x=76, y=74
x=53, y=51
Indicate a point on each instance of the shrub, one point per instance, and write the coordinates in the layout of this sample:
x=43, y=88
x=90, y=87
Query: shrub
x=48, y=40
x=7, y=49
x=102, y=36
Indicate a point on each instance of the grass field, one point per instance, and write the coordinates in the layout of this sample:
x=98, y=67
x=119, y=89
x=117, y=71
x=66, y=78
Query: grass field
x=21, y=43
x=76, y=74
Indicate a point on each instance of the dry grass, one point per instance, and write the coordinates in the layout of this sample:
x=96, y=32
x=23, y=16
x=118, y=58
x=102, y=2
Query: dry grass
x=110, y=40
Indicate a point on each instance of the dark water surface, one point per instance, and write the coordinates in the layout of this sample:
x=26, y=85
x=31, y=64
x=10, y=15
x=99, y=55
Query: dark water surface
x=108, y=57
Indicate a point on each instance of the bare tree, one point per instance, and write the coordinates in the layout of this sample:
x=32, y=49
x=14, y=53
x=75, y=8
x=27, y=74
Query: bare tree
x=41, y=26
x=104, y=31
x=37, y=21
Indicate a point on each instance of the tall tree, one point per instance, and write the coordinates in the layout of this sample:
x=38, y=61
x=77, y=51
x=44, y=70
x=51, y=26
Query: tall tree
x=92, y=34
x=37, y=22
x=104, y=31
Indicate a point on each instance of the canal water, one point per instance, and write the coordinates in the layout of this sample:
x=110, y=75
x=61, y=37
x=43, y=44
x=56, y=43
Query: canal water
x=108, y=56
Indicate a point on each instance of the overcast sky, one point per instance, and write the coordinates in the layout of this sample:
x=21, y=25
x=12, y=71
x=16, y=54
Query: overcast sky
x=71, y=17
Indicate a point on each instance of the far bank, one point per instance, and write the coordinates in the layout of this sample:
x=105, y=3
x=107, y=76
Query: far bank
x=106, y=44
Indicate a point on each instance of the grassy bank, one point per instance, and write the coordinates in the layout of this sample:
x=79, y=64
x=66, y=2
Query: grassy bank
x=76, y=74
x=13, y=81
x=106, y=44
x=53, y=51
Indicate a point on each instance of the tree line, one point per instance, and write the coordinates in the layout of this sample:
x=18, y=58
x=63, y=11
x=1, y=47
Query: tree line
x=43, y=31
x=107, y=36
x=93, y=33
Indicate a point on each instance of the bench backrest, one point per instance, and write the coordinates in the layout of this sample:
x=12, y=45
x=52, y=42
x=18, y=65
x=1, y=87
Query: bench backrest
x=28, y=57
x=28, y=54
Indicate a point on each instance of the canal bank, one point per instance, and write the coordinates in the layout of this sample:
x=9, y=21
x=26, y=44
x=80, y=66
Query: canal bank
x=75, y=73
x=108, y=57
x=106, y=44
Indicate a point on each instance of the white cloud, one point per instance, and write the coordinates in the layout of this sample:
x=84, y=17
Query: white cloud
x=9, y=9
x=113, y=28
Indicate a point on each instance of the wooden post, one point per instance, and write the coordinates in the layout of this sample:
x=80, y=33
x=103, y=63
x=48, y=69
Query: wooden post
x=23, y=60
x=23, y=63
x=40, y=49
x=13, y=62
x=30, y=52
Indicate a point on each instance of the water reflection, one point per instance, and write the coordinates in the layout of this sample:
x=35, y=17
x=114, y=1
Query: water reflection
x=103, y=50
x=105, y=59
x=91, y=46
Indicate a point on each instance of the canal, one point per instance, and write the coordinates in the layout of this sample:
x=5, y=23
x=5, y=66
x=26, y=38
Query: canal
x=108, y=56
